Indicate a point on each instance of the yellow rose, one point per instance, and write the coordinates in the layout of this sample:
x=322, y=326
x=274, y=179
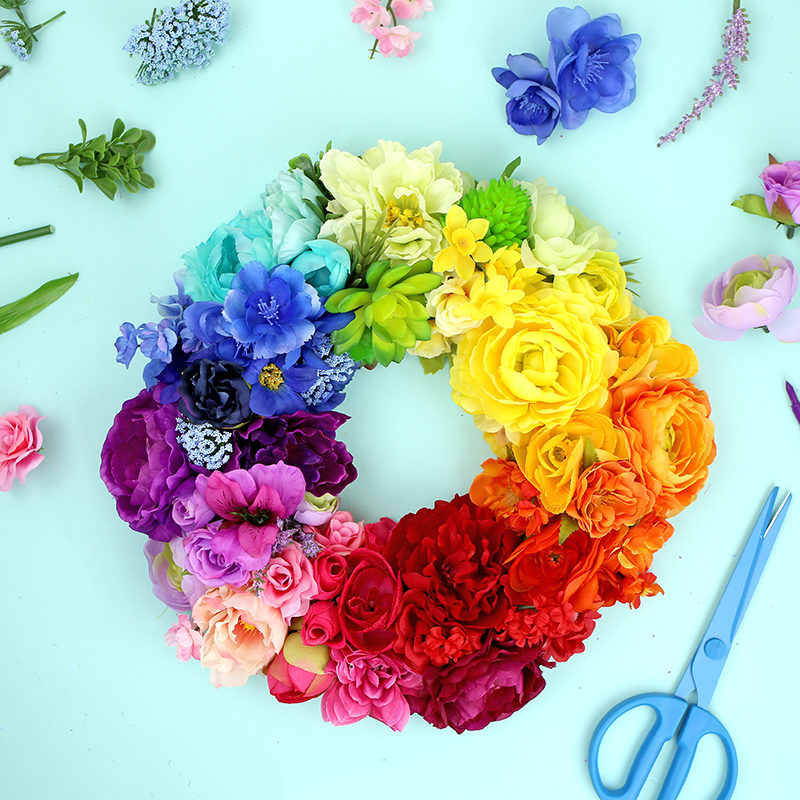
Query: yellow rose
x=552, y=458
x=551, y=362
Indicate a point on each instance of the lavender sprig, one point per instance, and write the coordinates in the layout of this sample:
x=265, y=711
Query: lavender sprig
x=735, y=41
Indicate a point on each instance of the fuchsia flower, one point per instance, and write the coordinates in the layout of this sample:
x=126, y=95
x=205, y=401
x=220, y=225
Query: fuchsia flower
x=185, y=638
x=20, y=442
x=397, y=41
x=257, y=499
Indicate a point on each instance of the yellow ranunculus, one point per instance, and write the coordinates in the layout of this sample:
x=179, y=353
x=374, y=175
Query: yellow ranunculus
x=551, y=362
x=552, y=458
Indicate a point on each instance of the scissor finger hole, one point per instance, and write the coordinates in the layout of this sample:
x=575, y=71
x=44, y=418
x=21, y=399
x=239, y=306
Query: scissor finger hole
x=707, y=776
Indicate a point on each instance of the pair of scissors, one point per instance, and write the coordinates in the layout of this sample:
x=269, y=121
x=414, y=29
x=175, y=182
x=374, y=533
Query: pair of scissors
x=674, y=713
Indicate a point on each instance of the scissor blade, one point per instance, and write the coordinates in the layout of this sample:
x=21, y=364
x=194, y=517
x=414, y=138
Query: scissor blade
x=715, y=645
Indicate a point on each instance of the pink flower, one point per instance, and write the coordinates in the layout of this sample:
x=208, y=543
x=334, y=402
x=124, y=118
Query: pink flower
x=321, y=625
x=185, y=637
x=342, y=534
x=376, y=534
x=256, y=498
x=330, y=573
x=398, y=41
x=20, y=440
x=241, y=634
x=369, y=13
x=411, y=9
x=368, y=686
x=289, y=582
x=298, y=673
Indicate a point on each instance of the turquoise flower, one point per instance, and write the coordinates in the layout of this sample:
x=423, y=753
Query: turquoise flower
x=325, y=266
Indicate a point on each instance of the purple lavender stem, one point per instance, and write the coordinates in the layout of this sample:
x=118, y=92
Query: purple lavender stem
x=735, y=41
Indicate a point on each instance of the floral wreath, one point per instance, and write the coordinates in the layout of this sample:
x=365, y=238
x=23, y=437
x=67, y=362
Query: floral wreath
x=228, y=460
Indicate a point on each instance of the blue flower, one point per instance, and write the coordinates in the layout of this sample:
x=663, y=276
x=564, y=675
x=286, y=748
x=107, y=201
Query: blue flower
x=127, y=344
x=590, y=63
x=271, y=312
x=534, y=106
x=277, y=388
x=325, y=265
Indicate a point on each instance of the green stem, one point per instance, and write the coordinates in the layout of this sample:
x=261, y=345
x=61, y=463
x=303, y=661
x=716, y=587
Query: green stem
x=52, y=19
x=394, y=21
x=4, y=71
x=735, y=6
x=24, y=161
x=11, y=238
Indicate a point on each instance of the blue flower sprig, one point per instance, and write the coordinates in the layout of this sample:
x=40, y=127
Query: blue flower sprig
x=19, y=35
x=178, y=38
x=589, y=65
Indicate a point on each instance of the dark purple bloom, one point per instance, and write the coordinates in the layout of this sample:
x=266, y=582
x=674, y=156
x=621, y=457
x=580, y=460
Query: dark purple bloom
x=215, y=392
x=143, y=465
x=271, y=312
x=482, y=687
x=303, y=440
x=534, y=106
x=277, y=388
x=591, y=63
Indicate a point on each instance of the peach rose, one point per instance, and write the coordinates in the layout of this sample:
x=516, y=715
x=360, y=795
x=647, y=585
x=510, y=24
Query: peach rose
x=20, y=441
x=241, y=634
x=671, y=437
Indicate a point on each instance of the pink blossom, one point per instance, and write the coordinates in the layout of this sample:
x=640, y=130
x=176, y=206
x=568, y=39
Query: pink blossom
x=321, y=625
x=298, y=672
x=411, y=9
x=20, y=441
x=398, y=41
x=342, y=534
x=368, y=685
x=289, y=582
x=330, y=573
x=185, y=638
x=370, y=13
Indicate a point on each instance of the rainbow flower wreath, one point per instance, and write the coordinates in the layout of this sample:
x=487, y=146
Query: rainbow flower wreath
x=228, y=460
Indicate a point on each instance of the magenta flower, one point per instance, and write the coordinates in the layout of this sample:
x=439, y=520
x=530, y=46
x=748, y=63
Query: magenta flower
x=257, y=499
x=753, y=293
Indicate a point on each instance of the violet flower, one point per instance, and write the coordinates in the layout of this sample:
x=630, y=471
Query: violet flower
x=753, y=293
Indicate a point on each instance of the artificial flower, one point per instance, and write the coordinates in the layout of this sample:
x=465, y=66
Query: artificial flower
x=752, y=293
x=465, y=245
x=325, y=266
x=185, y=638
x=341, y=534
x=20, y=445
x=395, y=41
x=166, y=575
x=782, y=190
x=411, y=9
x=215, y=392
x=330, y=573
x=505, y=204
x=288, y=582
x=297, y=673
x=370, y=13
x=215, y=555
x=321, y=624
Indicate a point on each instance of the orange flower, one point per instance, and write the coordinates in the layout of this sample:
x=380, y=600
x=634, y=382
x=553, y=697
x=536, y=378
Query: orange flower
x=635, y=553
x=671, y=437
x=609, y=495
x=504, y=489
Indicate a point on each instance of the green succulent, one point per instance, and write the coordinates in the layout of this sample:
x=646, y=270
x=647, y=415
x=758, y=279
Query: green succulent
x=390, y=315
x=106, y=163
x=506, y=206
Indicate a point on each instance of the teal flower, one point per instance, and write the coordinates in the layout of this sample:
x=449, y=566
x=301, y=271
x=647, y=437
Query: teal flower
x=325, y=266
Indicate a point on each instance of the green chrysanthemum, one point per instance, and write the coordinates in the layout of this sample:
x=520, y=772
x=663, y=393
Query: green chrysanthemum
x=506, y=207
x=390, y=315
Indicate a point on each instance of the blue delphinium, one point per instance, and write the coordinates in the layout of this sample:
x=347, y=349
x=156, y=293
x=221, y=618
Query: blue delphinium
x=180, y=38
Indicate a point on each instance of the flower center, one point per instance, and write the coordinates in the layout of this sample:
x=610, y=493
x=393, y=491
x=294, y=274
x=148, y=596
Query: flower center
x=589, y=66
x=271, y=377
x=464, y=241
x=268, y=309
x=405, y=213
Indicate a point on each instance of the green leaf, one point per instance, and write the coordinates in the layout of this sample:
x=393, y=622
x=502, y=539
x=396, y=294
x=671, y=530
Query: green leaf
x=26, y=307
x=146, y=143
x=568, y=527
x=118, y=130
x=589, y=454
x=131, y=135
x=146, y=180
x=82, y=126
x=752, y=204
x=509, y=170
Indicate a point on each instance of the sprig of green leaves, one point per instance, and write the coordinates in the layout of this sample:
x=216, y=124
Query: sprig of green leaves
x=108, y=163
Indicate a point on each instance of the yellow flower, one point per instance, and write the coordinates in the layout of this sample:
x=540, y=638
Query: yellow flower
x=466, y=247
x=552, y=458
x=491, y=298
x=551, y=362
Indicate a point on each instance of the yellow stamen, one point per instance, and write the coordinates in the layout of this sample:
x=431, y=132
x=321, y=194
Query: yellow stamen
x=271, y=377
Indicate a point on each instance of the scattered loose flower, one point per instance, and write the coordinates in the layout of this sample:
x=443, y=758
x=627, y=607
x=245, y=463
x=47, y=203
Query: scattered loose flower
x=18, y=34
x=735, y=40
x=179, y=38
x=20, y=445
x=228, y=461
x=781, y=200
x=381, y=21
x=589, y=65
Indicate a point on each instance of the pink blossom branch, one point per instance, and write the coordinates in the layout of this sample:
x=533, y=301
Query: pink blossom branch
x=735, y=41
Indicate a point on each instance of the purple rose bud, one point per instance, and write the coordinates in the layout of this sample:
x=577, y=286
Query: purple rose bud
x=782, y=191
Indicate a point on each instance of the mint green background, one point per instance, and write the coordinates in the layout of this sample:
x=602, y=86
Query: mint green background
x=92, y=704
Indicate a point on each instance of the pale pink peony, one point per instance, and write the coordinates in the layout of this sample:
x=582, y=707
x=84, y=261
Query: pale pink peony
x=411, y=9
x=185, y=638
x=241, y=634
x=370, y=13
x=342, y=534
x=20, y=441
x=289, y=582
x=397, y=41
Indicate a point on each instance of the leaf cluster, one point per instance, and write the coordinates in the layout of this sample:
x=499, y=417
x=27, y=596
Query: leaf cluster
x=311, y=170
x=109, y=163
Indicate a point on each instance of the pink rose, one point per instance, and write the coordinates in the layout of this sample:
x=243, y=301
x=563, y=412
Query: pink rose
x=241, y=634
x=342, y=534
x=289, y=582
x=321, y=625
x=782, y=189
x=330, y=573
x=297, y=673
x=20, y=441
x=376, y=534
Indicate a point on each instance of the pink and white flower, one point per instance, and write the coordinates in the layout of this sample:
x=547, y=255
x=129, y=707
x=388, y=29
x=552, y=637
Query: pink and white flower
x=185, y=638
x=411, y=9
x=369, y=14
x=397, y=41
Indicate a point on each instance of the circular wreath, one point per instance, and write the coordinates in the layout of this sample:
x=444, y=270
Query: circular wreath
x=228, y=459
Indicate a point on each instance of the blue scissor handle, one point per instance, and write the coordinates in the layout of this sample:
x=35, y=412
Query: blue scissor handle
x=670, y=712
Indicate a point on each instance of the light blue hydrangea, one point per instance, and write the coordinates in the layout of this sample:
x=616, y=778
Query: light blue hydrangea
x=180, y=38
x=19, y=45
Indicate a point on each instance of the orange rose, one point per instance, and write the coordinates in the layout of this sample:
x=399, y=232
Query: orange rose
x=671, y=437
x=609, y=495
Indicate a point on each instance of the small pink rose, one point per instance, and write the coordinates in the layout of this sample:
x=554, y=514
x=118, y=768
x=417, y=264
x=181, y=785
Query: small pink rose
x=342, y=534
x=289, y=582
x=330, y=573
x=20, y=441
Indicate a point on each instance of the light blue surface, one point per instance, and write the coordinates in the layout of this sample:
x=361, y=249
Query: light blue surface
x=93, y=705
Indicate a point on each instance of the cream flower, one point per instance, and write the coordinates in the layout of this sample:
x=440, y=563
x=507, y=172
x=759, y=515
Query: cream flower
x=443, y=305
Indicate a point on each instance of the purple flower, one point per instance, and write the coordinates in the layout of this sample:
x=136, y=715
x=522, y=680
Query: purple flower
x=165, y=576
x=483, y=687
x=753, y=293
x=215, y=392
x=276, y=388
x=591, y=63
x=271, y=312
x=782, y=191
x=307, y=441
x=534, y=106
x=216, y=556
x=143, y=465
x=126, y=344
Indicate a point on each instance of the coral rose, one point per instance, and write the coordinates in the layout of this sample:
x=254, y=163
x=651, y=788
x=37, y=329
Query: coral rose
x=671, y=437
x=554, y=360
x=20, y=442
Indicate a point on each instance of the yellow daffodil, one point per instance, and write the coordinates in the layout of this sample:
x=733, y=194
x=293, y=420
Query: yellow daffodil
x=466, y=248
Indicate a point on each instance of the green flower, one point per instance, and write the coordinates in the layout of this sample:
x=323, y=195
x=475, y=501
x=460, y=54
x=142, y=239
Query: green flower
x=506, y=206
x=390, y=315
